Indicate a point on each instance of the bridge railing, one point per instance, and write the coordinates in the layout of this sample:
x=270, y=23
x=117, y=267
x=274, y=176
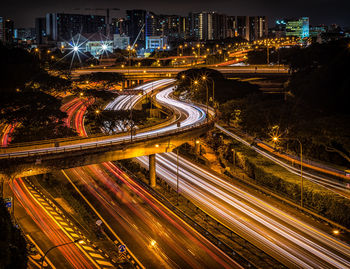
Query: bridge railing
x=101, y=144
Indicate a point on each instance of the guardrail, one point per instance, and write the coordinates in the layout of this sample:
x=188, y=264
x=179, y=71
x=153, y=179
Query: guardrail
x=55, y=146
x=102, y=144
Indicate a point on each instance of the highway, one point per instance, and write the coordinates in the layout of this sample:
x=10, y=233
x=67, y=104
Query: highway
x=337, y=186
x=289, y=240
x=157, y=237
x=128, y=101
x=43, y=224
x=170, y=70
x=195, y=117
x=6, y=132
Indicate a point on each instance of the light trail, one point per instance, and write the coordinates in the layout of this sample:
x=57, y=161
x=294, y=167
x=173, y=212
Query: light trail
x=6, y=137
x=341, y=188
x=50, y=227
x=284, y=237
x=195, y=117
x=144, y=220
x=279, y=234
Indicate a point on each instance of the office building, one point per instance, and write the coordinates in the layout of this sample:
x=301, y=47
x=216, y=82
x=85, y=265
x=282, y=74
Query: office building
x=156, y=42
x=121, y=41
x=138, y=25
x=24, y=34
x=95, y=44
x=220, y=23
x=206, y=25
x=318, y=30
x=193, y=23
x=1, y=29
x=118, y=26
x=6, y=30
x=40, y=31
x=61, y=26
x=258, y=28
x=298, y=27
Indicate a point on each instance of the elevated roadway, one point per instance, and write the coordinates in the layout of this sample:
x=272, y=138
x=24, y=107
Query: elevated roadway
x=43, y=157
x=171, y=72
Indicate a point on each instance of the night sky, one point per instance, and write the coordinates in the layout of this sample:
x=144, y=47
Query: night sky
x=327, y=12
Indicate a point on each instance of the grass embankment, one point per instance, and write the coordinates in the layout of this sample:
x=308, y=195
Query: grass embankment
x=267, y=174
x=71, y=202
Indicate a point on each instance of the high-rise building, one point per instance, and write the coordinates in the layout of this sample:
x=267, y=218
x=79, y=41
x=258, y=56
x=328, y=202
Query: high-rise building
x=8, y=31
x=258, y=28
x=136, y=25
x=154, y=42
x=118, y=26
x=206, y=25
x=220, y=24
x=193, y=22
x=242, y=26
x=121, y=41
x=231, y=30
x=317, y=30
x=298, y=27
x=24, y=34
x=140, y=24
x=61, y=26
x=184, y=27
x=40, y=30
x=1, y=29
x=248, y=27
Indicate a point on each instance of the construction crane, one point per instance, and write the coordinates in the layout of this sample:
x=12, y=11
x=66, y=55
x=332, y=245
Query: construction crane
x=138, y=35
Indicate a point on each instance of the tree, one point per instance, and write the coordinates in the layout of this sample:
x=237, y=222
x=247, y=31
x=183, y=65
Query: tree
x=13, y=246
x=192, y=82
x=53, y=85
x=17, y=67
x=115, y=121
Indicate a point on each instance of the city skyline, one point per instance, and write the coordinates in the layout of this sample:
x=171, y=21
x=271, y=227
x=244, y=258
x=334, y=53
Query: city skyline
x=324, y=12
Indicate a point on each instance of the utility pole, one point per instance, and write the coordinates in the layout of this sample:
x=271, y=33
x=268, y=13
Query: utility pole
x=131, y=125
x=267, y=55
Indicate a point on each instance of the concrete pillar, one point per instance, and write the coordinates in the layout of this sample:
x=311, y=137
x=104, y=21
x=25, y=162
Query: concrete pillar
x=197, y=146
x=152, y=170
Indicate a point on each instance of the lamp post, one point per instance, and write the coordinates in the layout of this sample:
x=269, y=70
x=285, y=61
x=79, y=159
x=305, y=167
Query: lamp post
x=131, y=125
x=64, y=244
x=267, y=54
x=204, y=78
x=275, y=139
x=213, y=86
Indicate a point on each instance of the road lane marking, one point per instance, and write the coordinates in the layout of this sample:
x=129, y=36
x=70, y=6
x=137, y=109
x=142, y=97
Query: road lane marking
x=52, y=213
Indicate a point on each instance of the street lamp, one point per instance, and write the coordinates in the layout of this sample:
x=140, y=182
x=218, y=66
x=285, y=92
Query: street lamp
x=275, y=139
x=80, y=241
x=204, y=78
x=131, y=125
x=213, y=84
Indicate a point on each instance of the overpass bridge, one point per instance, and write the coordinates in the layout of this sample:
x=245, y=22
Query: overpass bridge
x=45, y=156
x=139, y=75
